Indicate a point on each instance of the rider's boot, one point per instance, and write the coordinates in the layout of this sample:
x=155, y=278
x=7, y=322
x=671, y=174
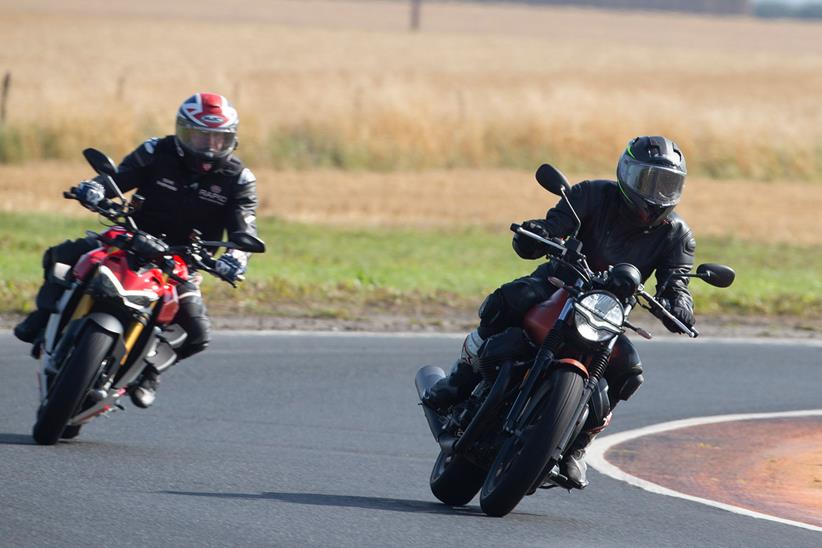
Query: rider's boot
x=31, y=328
x=573, y=465
x=144, y=394
x=457, y=386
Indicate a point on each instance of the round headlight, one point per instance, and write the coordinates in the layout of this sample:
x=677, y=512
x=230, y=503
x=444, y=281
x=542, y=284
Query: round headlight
x=598, y=316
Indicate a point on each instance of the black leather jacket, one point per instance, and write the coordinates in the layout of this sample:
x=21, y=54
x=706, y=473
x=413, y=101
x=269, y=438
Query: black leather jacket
x=178, y=200
x=609, y=236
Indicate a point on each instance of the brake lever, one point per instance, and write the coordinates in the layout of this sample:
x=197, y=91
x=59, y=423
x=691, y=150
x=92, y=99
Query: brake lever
x=655, y=306
x=519, y=230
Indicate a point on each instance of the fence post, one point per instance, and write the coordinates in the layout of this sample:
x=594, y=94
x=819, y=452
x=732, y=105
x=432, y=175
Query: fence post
x=4, y=96
x=415, y=15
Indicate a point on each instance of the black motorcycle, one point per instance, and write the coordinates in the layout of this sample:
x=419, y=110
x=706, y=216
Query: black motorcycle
x=542, y=384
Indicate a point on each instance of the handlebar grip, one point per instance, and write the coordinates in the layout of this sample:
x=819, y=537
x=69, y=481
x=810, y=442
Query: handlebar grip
x=68, y=195
x=515, y=227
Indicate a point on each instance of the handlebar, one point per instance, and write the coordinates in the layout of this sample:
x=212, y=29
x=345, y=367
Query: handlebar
x=558, y=252
x=195, y=253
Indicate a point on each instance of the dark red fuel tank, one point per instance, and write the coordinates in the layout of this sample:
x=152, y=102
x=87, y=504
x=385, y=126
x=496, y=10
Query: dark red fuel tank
x=541, y=318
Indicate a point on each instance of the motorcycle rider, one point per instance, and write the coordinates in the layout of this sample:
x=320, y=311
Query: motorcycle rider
x=189, y=180
x=630, y=220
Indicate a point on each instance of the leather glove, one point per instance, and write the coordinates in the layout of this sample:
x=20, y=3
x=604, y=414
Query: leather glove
x=679, y=311
x=90, y=193
x=229, y=268
x=528, y=248
x=538, y=227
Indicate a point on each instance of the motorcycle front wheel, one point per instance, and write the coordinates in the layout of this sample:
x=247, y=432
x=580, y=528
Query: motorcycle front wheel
x=522, y=458
x=73, y=382
x=455, y=480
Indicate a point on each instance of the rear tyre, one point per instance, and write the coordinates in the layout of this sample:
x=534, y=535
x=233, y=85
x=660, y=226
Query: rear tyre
x=69, y=389
x=455, y=480
x=522, y=459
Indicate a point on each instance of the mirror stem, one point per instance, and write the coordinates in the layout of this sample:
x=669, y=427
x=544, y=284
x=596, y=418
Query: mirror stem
x=573, y=211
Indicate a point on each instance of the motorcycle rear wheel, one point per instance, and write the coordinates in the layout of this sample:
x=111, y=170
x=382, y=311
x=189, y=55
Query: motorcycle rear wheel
x=521, y=459
x=71, y=386
x=455, y=480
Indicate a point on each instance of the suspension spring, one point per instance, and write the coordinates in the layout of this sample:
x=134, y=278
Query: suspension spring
x=598, y=365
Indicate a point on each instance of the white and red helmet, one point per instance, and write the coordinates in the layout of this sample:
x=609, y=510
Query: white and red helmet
x=206, y=131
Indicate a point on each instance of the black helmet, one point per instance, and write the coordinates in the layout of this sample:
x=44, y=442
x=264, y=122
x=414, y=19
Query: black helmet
x=651, y=175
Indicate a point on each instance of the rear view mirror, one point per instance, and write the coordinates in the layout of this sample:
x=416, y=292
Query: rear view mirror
x=247, y=242
x=552, y=179
x=101, y=163
x=717, y=275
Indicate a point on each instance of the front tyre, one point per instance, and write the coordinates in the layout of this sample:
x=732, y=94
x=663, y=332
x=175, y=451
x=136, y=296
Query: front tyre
x=71, y=385
x=455, y=480
x=522, y=459
x=70, y=432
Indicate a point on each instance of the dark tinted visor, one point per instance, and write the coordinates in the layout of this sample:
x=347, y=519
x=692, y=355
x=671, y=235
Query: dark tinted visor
x=658, y=185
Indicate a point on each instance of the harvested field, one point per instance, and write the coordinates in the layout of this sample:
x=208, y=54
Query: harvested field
x=342, y=84
x=783, y=212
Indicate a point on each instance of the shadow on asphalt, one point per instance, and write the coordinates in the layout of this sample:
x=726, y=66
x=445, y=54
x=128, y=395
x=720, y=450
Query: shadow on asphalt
x=16, y=439
x=346, y=501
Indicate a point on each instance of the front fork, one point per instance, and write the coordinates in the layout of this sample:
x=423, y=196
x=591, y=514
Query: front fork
x=543, y=361
x=61, y=330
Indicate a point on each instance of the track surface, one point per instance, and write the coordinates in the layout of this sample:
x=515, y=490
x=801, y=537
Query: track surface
x=316, y=440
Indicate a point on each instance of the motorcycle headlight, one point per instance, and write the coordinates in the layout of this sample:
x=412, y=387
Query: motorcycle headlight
x=598, y=316
x=106, y=285
x=103, y=284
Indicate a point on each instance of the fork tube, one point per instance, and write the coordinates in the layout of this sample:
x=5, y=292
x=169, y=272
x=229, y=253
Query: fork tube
x=131, y=336
x=83, y=307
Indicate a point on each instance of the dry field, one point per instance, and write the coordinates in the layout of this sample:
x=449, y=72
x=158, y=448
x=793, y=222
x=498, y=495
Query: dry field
x=342, y=84
x=785, y=212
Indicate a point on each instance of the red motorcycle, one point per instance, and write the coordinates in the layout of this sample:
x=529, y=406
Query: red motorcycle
x=115, y=316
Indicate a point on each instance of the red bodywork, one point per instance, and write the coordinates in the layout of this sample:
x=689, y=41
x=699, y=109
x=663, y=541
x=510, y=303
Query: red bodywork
x=147, y=279
x=541, y=318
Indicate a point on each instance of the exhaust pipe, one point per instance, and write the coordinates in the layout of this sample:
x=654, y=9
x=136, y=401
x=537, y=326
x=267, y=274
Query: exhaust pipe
x=426, y=377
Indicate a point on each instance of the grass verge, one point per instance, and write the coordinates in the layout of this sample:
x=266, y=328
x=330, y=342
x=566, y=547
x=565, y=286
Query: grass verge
x=330, y=272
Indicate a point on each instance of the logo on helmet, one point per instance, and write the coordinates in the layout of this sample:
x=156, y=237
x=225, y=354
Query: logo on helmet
x=213, y=119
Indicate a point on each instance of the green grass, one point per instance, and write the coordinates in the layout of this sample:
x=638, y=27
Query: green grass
x=321, y=271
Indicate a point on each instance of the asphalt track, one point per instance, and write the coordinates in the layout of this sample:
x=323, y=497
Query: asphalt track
x=316, y=440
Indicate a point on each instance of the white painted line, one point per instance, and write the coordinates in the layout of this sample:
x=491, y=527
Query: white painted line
x=596, y=458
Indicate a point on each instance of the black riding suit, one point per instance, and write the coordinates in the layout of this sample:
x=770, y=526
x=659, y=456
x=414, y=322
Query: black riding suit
x=177, y=200
x=609, y=236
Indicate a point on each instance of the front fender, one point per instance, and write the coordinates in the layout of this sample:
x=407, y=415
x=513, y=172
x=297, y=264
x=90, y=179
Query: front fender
x=108, y=323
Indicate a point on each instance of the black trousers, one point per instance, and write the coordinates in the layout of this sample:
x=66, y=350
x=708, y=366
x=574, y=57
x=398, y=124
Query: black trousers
x=192, y=316
x=506, y=307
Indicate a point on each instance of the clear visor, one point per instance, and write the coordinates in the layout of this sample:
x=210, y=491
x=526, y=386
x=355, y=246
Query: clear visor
x=206, y=141
x=658, y=185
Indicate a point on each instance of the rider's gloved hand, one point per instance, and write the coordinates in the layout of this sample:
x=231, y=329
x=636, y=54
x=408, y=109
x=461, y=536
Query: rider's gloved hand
x=528, y=248
x=678, y=310
x=229, y=268
x=538, y=227
x=90, y=193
